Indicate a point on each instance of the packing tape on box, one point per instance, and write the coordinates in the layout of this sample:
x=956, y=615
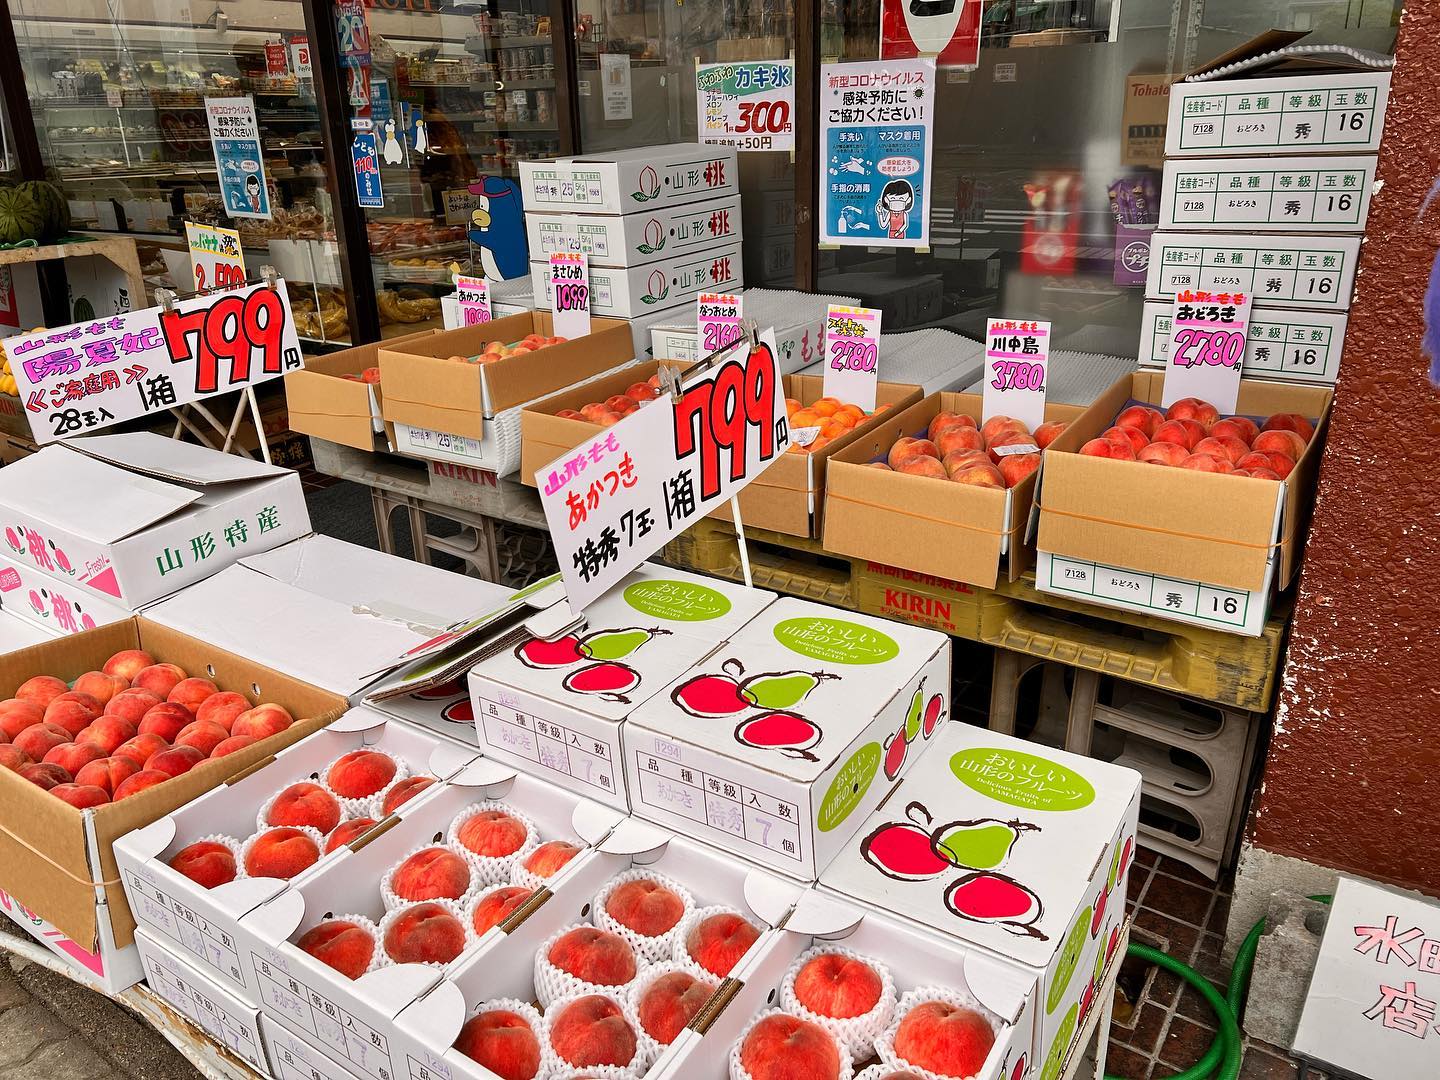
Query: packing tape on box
x=103, y=883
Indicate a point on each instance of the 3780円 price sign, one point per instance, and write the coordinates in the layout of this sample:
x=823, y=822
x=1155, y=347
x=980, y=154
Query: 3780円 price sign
x=76, y=379
x=1017, y=360
x=1207, y=347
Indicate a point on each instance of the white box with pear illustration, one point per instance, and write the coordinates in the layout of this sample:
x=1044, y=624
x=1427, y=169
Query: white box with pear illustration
x=1015, y=848
x=554, y=708
x=780, y=741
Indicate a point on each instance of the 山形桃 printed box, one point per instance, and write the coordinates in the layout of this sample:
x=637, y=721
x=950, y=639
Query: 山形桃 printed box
x=634, y=239
x=631, y=181
x=50, y=602
x=629, y=292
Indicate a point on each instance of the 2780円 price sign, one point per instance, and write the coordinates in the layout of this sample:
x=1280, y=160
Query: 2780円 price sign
x=1207, y=347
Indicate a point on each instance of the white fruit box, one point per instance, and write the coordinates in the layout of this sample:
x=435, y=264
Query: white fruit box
x=342, y=614
x=429, y=1027
x=554, y=706
x=915, y=958
x=292, y=1058
x=642, y=237
x=443, y=709
x=1302, y=194
x=228, y=1021
x=353, y=1022
x=798, y=345
x=630, y=292
x=1276, y=271
x=132, y=518
x=1284, y=344
x=779, y=742
x=647, y=178
x=1278, y=114
x=53, y=604
x=101, y=963
x=203, y=925
x=1014, y=849
x=17, y=633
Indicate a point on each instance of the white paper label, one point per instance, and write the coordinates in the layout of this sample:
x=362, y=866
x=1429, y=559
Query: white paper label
x=473, y=295
x=570, y=285
x=852, y=355
x=718, y=315
x=1017, y=362
x=1207, y=348
x=216, y=261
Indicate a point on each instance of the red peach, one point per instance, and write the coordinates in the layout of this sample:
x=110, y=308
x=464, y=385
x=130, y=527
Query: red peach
x=358, y=774
x=1280, y=441
x=492, y=834
x=436, y=873
x=305, y=804
x=159, y=679
x=206, y=862
x=1184, y=433
x=1049, y=431
x=1242, y=427
x=41, y=690
x=281, y=853
x=232, y=744
x=570, y=414
x=641, y=392
x=263, y=721
x=671, y=1002
x=223, y=708
x=403, y=792
x=878, y=465
x=166, y=720
x=595, y=956
x=141, y=749
x=127, y=663
x=947, y=421
x=645, y=906
x=958, y=459
x=46, y=775
x=979, y=474
x=424, y=933
x=591, y=1031
x=1202, y=412
x=100, y=686
x=1105, y=448
x=619, y=403
x=1016, y=467
x=39, y=740
x=204, y=735
x=192, y=692
x=922, y=465
x=176, y=761
x=82, y=798
x=1131, y=436
x=997, y=424
x=108, y=773
x=109, y=733
x=73, y=756
x=1163, y=453
x=1141, y=417
x=1290, y=422
x=782, y=1047
x=72, y=711
x=1225, y=446
x=347, y=831
x=1259, y=473
x=944, y=1039
x=13, y=758
x=496, y=906
x=145, y=778
x=132, y=705
x=340, y=944
x=1007, y=438
x=1269, y=460
x=837, y=986
x=958, y=438
x=1207, y=463
x=907, y=448
x=547, y=859
x=718, y=941
x=16, y=714
x=502, y=1042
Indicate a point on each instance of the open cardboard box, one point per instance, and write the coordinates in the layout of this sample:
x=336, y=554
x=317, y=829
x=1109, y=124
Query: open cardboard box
x=51, y=853
x=425, y=389
x=1235, y=532
x=954, y=531
x=340, y=410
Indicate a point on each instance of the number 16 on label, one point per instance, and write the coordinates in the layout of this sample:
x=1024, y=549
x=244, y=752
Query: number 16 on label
x=1017, y=366
x=852, y=355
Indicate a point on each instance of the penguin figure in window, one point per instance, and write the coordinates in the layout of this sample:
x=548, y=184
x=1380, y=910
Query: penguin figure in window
x=422, y=140
x=393, y=154
x=497, y=228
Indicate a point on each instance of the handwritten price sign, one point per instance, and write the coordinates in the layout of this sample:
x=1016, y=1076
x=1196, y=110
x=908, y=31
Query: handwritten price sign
x=852, y=354
x=473, y=295
x=718, y=316
x=215, y=258
x=570, y=280
x=1207, y=347
x=1017, y=363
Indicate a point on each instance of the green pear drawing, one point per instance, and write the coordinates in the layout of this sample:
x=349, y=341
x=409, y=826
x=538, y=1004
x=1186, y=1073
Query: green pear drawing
x=616, y=644
x=781, y=689
x=978, y=844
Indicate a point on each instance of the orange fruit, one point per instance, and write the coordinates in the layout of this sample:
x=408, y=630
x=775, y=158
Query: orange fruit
x=791, y=406
x=804, y=418
x=854, y=412
x=824, y=407
x=832, y=429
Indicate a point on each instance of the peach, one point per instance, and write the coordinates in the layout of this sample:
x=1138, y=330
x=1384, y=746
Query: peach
x=203, y=735
x=547, y=859
x=1269, y=460
x=645, y=392
x=263, y=721
x=109, y=733
x=166, y=720
x=107, y=772
x=1280, y=441
x=876, y=465
x=922, y=465
x=620, y=403
x=281, y=853
x=1259, y=473
x=958, y=438
x=80, y=797
x=1242, y=427
x=127, y=663
x=176, y=761
x=100, y=686
x=960, y=458
x=73, y=756
x=907, y=448
x=232, y=744
x=1107, y=448
x=496, y=906
x=358, y=774
x=305, y=804
x=502, y=1042
x=41, y=690
x=492, y=834
x=837, y=986
x=12, y=758
x=781, y=1047
x=132, y=705
x=140, y=749
x=222, y=708
x=142, y=780
x=591, y=1031
x=946, y=421
x=1184, y=433
x=593, y=411
x=570, y=414
x=1202, y=412
x=594, y=956
x=159, y=679
x=39, y=740
x=435, y=873
x=945, y=1039
x=403, y=792
x=645, y=906
x=46, y=775
x=72, y=711
x=347, y=831
x=997, y=424
x=16, y=714
x=718, y=941
x=1131, y=435
x=1207, y=463
x=192, y=692
x=1285, y=421
x=206, y=862
x=1142, y=418
x=1016, y=467
x=1049, y=431
x=424, y=933
x=340, y=944
x=1163, y=453
x=979, y=474
x=1225, y=446
x=671, y=1002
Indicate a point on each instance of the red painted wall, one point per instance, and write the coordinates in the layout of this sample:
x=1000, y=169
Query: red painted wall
x=1352, y=780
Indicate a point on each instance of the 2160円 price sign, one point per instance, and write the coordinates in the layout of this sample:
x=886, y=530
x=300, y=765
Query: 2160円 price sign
x=76, y=379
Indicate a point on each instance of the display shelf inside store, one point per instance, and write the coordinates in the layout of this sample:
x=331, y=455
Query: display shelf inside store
x=481, y=45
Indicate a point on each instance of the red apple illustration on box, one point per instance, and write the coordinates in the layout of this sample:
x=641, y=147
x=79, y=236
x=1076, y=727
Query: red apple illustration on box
x=921, y=720
x=604, y=675
x=459, y=712
x=776, y=693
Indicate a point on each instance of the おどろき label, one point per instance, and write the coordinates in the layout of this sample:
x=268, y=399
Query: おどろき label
x=1207, y=348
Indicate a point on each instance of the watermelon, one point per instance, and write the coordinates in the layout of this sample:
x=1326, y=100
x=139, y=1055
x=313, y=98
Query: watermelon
x=20, y=217
x=51, y=201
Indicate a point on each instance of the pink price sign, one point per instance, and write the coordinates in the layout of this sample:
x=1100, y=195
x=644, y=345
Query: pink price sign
x=473, y=295
x=718, y=317
x=1207, y=347
x=570, y=288
x=852, y=354
x=1017, y=363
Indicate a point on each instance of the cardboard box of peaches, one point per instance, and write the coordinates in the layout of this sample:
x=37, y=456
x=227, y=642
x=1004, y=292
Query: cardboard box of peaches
x=786, y=498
